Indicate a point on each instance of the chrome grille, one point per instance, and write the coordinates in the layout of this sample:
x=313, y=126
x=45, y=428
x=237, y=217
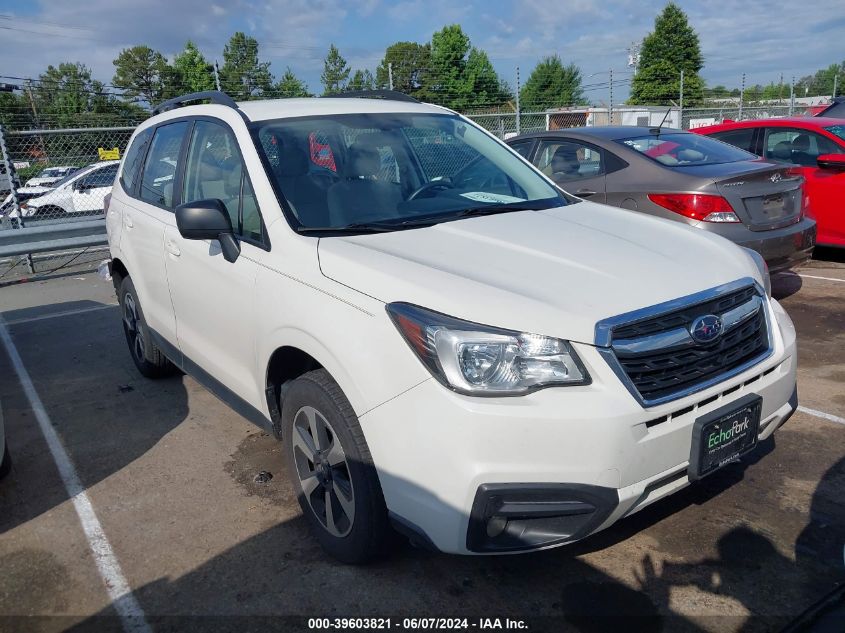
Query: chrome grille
x=653, y=352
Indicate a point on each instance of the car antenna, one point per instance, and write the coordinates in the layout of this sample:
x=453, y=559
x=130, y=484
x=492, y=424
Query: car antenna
x=656, y=130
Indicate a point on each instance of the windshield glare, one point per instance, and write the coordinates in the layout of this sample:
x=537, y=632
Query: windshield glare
x=349, y=169
x=685, y=150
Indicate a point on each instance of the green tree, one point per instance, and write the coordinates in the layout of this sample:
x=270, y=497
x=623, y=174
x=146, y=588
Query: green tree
x=291, y=86
x=243, y=76
x=335, y=72
x=144, y=73
x=361, y=80
x=673, y=46
x=195, y=71
x=446, y=84
x=410, y=62
x=552, y=85
x=483, y=86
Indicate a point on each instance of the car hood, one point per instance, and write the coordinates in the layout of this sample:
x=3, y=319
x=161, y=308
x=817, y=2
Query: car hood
x=554, y=272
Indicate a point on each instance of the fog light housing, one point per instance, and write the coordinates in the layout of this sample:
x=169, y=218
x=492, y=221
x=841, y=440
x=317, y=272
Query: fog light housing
x=518, y=517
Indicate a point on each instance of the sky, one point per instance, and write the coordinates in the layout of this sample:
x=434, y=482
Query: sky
x=764, y=39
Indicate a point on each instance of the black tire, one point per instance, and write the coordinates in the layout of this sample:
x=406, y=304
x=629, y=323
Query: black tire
x=367, y=535
x=5, y=462
x=148, y=358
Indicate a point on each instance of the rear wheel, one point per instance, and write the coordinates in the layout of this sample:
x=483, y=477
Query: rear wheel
x=148, y=358
x=332, y=471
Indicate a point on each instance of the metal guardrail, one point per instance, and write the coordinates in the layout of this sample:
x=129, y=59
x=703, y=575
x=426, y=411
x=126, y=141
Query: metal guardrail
x=52, y=237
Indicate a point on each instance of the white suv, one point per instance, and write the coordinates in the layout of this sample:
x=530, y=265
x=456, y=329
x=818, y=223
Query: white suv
x=444, y=340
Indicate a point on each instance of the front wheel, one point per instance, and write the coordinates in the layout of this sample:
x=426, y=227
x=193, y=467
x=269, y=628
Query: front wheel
x=332, y=471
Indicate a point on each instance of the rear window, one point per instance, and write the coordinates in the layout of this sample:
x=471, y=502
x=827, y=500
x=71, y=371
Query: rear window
x=685, y=150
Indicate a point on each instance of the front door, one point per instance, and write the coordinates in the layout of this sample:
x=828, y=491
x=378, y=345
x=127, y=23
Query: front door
x=214, y=300
x=90, y=191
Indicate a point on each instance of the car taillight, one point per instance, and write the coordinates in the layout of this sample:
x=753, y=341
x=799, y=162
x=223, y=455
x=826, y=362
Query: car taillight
x=106, y=201
x=704, y=207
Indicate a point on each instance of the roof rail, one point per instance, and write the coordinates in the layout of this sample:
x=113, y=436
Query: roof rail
x=390, y=95
x=220, y=98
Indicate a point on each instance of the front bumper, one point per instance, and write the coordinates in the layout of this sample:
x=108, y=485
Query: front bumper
x=597, y=454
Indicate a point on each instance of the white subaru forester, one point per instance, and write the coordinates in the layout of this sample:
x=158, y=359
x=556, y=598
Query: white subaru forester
x=444, y=341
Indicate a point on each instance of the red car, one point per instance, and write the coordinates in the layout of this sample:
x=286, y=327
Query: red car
x=815, y=147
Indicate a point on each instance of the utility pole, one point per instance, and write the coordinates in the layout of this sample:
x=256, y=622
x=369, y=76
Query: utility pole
x=792, y=97
x=610, y=105
x=741, y=95
x=681, y=103
x=390, y=74
x=518, y=126
x=217, y=76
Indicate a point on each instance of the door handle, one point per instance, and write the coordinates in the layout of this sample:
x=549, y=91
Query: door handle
x=172, y=248
x=585, y=193
x=127, y=221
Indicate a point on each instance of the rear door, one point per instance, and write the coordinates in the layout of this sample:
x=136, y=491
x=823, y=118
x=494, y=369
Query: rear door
x=145, y=217
x=799, y=148
x=575, y=166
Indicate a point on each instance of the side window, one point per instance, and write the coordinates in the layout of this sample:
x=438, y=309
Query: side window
x=564, y=161
x=214, y=169
x=795, y=146
x=133, y=159
x=743, y=139
x=103, y=177
x=160, y=166
x=522, y=148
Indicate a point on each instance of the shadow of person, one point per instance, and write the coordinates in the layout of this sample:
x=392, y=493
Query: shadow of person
x=822, y=541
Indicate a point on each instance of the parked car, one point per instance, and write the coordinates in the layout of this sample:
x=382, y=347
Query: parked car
x=444, y=340
x=813, y=147
x=6, y=180
x=5, y=459
x=50, y=175
x=23, y=194
x=677, y=175
x=82, y=193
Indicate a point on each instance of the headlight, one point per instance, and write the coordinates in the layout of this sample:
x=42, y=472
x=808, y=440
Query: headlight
x=480, y=360
x=763, y=267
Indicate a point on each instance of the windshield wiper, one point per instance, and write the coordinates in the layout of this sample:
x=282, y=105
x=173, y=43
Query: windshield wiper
x=420, y=222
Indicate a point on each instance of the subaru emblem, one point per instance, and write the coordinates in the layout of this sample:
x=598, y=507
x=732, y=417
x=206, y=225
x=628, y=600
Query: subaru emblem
x=706, y=329
x=775, y=177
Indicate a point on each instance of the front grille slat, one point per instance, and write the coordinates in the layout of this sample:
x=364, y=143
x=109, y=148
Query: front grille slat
x=659, y=374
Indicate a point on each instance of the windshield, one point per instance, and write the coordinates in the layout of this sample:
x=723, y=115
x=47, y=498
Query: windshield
x=685, y=150
x=394, y=171
x=837, y=130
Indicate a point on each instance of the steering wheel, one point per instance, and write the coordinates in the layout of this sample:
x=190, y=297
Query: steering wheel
x=431, y=186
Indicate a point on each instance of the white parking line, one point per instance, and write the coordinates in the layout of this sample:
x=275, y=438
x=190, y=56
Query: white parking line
x=63, y=313
x=131, y=615
x=842, y=281
x=822, y=414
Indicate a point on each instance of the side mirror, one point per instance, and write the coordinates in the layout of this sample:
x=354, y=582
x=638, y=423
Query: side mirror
x=208, y=220
x=81, y=185
x=831, y=161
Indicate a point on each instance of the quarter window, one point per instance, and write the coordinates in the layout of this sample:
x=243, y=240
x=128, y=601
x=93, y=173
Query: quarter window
x=160, y=166
x=523, y=148
x=133, y=160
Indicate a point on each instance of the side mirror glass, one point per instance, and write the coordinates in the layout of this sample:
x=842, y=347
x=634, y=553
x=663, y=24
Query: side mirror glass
x=831, y=161
x=208, y=220
x=82, y=185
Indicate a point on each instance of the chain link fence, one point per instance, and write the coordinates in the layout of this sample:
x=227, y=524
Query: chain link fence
x=54, y=177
